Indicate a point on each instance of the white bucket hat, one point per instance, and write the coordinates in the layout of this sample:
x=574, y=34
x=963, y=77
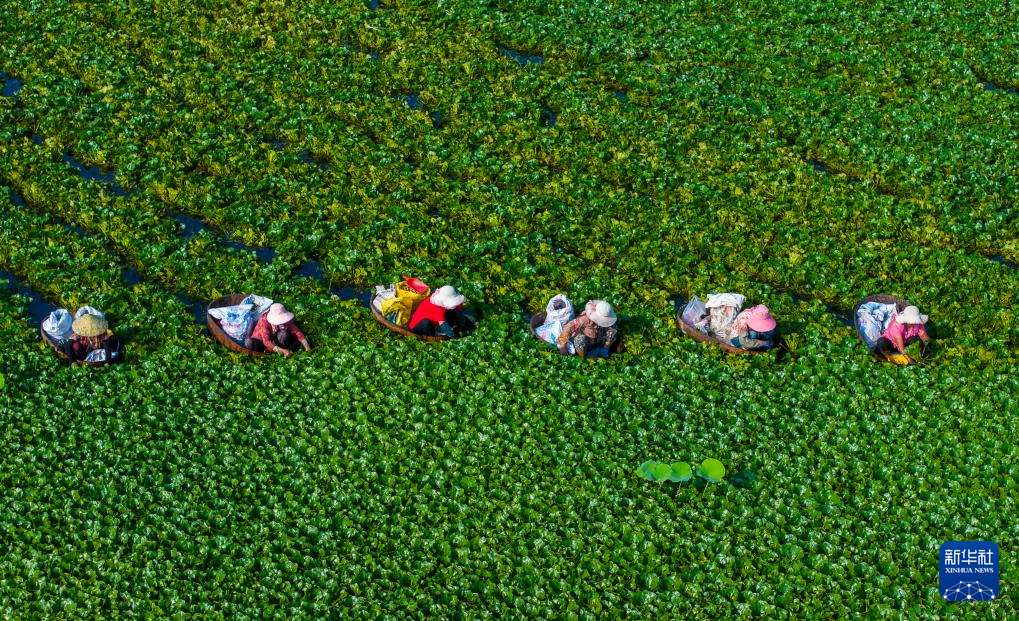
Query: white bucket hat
x=911, y=314
x=58, y=325
x=447, y=297
x=603, y=315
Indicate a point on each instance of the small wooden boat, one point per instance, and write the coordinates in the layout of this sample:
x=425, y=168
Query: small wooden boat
x=900, y=305
x=376, y=308
x=46, y=339
x=217, y=332
x=539, y=318
x=697, y=335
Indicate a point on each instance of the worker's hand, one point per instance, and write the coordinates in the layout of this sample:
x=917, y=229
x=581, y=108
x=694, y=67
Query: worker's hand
x=283, y=350
x=307, y=346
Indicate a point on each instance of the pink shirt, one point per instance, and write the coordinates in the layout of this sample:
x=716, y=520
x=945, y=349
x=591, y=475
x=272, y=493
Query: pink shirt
x=905, y=332
x=263, y=331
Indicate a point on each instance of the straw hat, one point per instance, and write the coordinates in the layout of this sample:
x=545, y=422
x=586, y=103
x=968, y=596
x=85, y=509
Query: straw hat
x=911, y=314
x=759, y=319
x=278, y=315
x=58, y=324
x=447, y=297
x=89, y=325
x=603, y=315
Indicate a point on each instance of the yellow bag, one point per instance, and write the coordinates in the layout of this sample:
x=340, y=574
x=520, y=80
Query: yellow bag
x=404, y=303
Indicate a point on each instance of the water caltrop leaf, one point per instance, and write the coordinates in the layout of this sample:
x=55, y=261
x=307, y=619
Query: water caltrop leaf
x=645, y=470
x=711, y=470
x=654, y=471
x=680, y=472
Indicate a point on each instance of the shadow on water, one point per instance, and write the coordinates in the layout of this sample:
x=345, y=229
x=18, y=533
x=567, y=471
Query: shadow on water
x=437, y=120
x=550, y=117
x=35, y=138
x=38, y=308
x=94, y=173
x=11, y=85
x=521, y=58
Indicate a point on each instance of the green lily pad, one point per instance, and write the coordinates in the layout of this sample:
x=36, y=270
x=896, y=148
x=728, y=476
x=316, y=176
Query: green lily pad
x=680, y=472
x=711, y=470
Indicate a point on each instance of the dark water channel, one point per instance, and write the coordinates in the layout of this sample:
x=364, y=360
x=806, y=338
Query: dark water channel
x=11, y=85
x=314, y=270
x=549, y=116
x=994, y=87
x=93, y=173
x=16, y=198
x=195, y=308
x=38, y=308
x=308, y=158
x=522, y=58
x=413, y=101
x=192, y=227
x=1003, y=261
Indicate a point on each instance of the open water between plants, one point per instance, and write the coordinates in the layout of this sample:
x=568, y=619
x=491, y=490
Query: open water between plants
x=38, y=307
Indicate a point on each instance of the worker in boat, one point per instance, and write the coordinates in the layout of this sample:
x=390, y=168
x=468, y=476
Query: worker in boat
x=902, y=329
x=753, y=328
x=442, y=313
x=276, y=331
x=90, y=334
x=593, y=329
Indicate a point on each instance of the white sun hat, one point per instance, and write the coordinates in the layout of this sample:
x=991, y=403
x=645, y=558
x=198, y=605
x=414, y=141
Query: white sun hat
x=911, y=314
x=447, y=297
x=603, y=315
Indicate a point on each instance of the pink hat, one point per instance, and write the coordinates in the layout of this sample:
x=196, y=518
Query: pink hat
x=760, y=320
x=278, y=315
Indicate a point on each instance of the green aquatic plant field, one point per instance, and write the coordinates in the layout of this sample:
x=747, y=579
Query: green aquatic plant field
x=155, y=155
